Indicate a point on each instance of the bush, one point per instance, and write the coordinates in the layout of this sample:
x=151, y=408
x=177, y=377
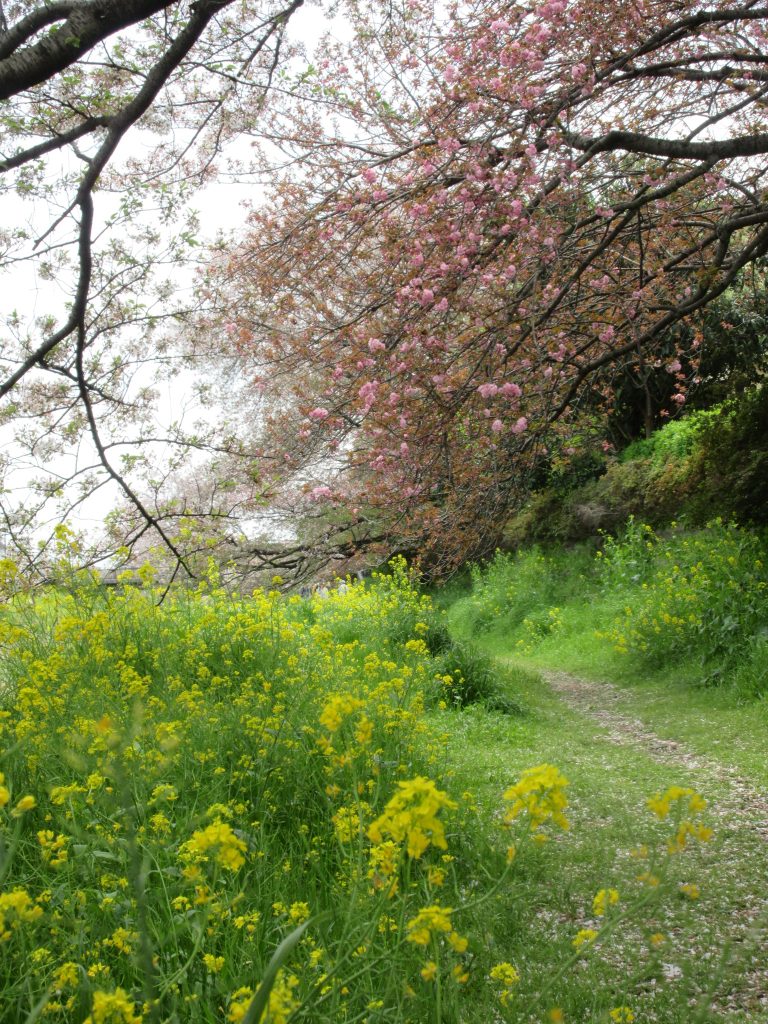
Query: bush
x=702, y=596
x=732, y=461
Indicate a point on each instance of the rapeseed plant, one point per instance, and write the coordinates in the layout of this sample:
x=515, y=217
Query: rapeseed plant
x=185, y=785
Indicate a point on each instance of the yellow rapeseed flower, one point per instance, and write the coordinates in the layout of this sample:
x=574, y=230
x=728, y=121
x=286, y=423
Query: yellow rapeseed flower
x=25, y=804
x=429, y=971
x=661, y=804
x=411, y=816
x=213, y=963
x=280, y=1007
x=53, y=847
x=621, y=1015
x=584, y=937
x=508, y=977
x=16, y=908
x=112, y=1008
x=217, y=843
x=540, y=793
x=605, y=898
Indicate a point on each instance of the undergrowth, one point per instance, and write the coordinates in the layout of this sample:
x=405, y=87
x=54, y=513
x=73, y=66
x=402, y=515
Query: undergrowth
x=218, y=808
x=693, y=598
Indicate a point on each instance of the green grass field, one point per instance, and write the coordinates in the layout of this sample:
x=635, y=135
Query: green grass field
x=270, y=809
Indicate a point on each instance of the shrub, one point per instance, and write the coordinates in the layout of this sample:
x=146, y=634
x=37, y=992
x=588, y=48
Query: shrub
x=703, y=597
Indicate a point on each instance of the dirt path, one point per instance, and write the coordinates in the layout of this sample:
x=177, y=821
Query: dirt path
x=602, y=703
x=740, y=809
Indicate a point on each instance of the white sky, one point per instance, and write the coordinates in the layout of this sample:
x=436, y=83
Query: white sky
x=219, y=208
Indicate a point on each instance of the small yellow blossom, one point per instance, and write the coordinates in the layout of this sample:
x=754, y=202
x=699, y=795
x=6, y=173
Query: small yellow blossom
x=16, y=908
x=508, y=977
x=217, y=843
x=112, y=1008
x=621, y=1015
x=661, y=804
x=298, y=912
x=53, y=847
x=432, y=921
x=67, y=976
x=584, y=937
x=280, y=1007
x=605, y=898
x=429, y=971
x=25, y=804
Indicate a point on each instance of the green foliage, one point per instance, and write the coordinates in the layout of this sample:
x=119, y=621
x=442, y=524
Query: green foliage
x=703, y=596
x=676, y=440
x=693, y=598
x=711, y=462
x=472, y=677
x=731, y=460
x=627, y=559
x=519, y=590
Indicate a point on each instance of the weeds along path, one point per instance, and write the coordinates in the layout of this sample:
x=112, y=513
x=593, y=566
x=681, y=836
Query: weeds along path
x=740, y=815
x=603, y=702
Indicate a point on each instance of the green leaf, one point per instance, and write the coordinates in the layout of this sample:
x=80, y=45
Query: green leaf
x=255, y=1011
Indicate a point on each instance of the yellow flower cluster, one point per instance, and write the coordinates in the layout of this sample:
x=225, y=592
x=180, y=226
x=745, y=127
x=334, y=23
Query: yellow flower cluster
x=337, y=708
x=603, y=899
x=216, y=843
x=281, y=1005
x=431, y=922
x=508, y=977
x=411, y=817
x=621, y=1015
x=540, y=794
x=113, y=1008
x=16, y=909
x=662, y=804
x=53, y=847
x=584, y=937
x=682, y=802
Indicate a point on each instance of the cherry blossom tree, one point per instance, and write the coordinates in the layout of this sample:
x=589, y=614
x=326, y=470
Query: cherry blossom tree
x=483, y=213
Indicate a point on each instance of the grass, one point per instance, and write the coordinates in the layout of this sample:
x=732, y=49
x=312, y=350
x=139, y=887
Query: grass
x=191, y=789
x=563, y=625
x=715, y=701
x=610, y=784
